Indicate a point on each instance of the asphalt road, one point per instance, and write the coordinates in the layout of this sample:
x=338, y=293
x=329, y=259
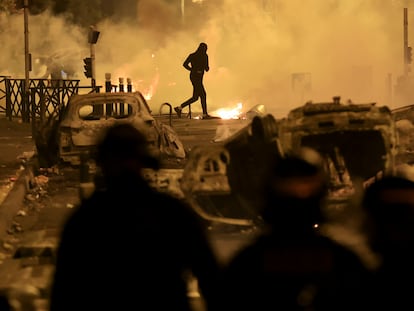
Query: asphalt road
x=16, y=146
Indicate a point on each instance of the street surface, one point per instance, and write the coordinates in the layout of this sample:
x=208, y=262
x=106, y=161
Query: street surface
x=16, y=147
x=56, y=192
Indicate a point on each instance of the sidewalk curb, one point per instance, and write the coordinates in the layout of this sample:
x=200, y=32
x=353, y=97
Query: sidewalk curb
x=14, y=201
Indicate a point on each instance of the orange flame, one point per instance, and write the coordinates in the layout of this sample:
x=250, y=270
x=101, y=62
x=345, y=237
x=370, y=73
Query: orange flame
x=229, y=113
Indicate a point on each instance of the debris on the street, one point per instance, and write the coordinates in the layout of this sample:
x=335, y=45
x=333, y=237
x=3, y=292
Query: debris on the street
x=15, y=227
x=30, y=197
x=26, y=155
x=7, y=246
x=2, y=256
x=21, y=213
x=41, y=180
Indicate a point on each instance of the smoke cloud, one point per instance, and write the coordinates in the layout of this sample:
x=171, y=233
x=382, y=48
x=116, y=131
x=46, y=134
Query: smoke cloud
x=279, y=53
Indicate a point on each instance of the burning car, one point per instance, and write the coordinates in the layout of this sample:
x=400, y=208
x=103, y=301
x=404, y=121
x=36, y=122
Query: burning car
x=86, y=115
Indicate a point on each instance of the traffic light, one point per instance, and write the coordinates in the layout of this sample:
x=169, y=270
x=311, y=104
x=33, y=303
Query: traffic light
x=409, y=55
x=93, y=36
x=88, y=67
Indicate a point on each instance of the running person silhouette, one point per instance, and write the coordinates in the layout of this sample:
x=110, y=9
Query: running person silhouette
x=197, y=64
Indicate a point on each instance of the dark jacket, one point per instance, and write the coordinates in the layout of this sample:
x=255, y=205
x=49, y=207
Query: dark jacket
x=128, y=248
x=311, y=273
x=197, y=62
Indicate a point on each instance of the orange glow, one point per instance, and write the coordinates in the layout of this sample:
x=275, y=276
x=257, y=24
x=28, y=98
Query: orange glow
x=148, y=91
x=229, y=113
x=147, y=95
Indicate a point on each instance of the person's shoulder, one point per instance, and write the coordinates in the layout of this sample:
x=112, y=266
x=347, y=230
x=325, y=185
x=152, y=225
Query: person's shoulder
x=165, y=199
x=345, y=256
x=250, y=253
x=97, y=198
x=192, y=55
x=174, y=206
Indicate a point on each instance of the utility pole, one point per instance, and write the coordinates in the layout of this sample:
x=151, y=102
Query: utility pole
x=405, y=83
x=406, y=65
x=93, y=79
x=27, y=63
x=182, y=10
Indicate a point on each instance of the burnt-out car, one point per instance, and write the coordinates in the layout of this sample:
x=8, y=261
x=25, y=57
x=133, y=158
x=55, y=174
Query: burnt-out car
x=358, y=141
x=224, y=182
x=86, y=115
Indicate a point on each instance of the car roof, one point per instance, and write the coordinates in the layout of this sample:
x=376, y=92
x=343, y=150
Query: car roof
x=108, y=96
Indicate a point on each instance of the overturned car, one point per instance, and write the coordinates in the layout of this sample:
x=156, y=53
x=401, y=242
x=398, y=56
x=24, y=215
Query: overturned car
x=223, y=184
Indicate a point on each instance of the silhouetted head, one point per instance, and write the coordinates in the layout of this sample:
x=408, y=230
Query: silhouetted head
x=124, y=151
x=202, y=47
x=389, y=204
x=295, y=190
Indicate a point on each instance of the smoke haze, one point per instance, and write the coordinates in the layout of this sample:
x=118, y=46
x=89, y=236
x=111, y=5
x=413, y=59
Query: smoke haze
x=279, y=53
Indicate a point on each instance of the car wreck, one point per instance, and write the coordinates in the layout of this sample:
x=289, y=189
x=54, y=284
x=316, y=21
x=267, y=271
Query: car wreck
x=358, y=141
x=222, y=181
x=71, y=134
x=223, y=184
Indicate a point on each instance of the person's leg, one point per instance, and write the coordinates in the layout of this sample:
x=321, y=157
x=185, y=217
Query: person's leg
x=200, y=92
x=178, y=110
x=194, y=81
x=203, y=98
x=189, y=101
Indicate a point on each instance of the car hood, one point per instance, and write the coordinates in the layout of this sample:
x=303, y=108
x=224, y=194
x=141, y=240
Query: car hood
x=87, y=133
